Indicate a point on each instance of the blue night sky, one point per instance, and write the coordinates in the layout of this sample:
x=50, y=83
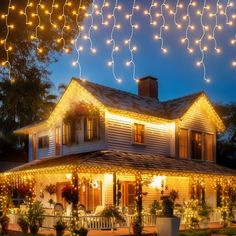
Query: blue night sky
x=177, y=71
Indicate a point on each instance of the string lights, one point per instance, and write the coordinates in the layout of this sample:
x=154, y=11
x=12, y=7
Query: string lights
x=222, y=14
x=128, y=41
x=112, y=41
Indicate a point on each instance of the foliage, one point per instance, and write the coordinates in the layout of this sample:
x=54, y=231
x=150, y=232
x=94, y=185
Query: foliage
x=173, y=195
x=112, y=212
x=227, y=231
x=204, y=211
x=24, y=224
x=4, y=221
x=51, y=189
x=196, y=233
x=167, y=207
x=50, y=201
x=81, y=231
x=137, y=226
x=24, y=190
x=70, y=194
x=155, y=206
x=60, y=227
x=81, y=109
x=35, y=216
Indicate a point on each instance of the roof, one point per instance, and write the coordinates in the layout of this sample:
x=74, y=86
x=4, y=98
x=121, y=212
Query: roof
x=109, y=160
x=122, y=100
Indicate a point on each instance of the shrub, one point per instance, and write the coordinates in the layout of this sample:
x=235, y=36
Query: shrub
x=167, y=207
x=24, y=225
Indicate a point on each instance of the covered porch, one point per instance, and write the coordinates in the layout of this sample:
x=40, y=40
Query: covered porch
x=110, y=178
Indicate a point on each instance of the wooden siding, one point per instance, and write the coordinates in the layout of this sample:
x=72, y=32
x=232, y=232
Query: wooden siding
x=120, y=135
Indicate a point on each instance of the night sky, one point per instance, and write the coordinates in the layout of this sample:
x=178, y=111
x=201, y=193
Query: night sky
x=177, y=71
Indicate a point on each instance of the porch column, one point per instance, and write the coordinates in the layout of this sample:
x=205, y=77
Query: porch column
x=75, y=218
x=114, y=189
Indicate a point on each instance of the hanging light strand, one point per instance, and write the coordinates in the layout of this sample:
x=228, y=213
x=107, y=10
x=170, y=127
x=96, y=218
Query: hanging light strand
x=189, y=26
x=129, y=41
x=27, y=21
x=149, y=12
x=4, y=41
x=78, y=48
x=51, y=13
x=200, y=42
x=105, y=4
x=177, y=6
x=112, y=41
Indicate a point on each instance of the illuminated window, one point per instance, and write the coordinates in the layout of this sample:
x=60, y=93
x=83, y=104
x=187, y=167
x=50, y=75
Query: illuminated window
x=70, y=133
x=196, y=145
x=91, y=128
x=183, y=143
x=138, y=133
x=208, y=147
x=43, y=142
x=128, y=194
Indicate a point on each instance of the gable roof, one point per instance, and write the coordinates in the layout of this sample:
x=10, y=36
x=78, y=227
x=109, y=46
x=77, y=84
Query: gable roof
x=129, y=102
x=110, y=160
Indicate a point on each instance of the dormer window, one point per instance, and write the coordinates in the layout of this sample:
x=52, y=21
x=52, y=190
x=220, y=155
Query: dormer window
x=183, y=143
x=91, y=128
x=138, y=133
x=43, y=142
x=208, y=147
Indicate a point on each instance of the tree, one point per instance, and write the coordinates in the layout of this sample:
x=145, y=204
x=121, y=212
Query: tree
x=226, y=141
x=32, y=35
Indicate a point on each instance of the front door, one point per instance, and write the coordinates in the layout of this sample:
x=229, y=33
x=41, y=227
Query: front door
x=57, y=142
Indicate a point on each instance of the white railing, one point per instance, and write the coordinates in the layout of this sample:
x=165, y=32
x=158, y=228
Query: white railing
x=92, y=222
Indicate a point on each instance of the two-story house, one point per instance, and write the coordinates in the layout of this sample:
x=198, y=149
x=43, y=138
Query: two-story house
x=110, y=137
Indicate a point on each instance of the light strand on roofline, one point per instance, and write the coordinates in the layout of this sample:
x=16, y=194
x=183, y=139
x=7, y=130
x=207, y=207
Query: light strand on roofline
x=128, y=41
x=112, y=41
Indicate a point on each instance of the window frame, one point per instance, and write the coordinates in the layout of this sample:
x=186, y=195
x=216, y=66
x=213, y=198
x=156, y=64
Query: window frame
x=213, y=146
x=191, y=145
x=93, y=137
x=43, y=142
x=67, y=133
x=133, y=134
x=187, y=147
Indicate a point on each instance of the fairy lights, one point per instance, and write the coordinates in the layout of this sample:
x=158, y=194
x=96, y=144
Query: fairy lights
x=163, y=26
x=189, y=27
x=211, y=22
x=129, y=41
x=202, y=48
x=112, y=41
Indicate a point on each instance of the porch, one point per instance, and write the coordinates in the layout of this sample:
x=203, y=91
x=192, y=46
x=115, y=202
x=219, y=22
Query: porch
x=110, y=178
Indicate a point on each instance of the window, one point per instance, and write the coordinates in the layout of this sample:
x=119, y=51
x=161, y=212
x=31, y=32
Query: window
x=70, y=133
x=91, y=128
x=208, y=147
x=138, y=133
x=43, y=142
x=183, y=143
x=128, y=195
x=196, y=145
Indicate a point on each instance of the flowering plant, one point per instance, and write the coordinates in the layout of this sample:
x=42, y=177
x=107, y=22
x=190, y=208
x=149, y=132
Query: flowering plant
x=70, y=194
x=51, y=189
x=81, y=109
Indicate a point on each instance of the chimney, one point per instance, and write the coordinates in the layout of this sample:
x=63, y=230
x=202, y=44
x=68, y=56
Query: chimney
x=148, y=87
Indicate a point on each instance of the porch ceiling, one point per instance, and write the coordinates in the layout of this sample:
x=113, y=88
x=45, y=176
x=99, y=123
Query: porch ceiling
x=117, y=161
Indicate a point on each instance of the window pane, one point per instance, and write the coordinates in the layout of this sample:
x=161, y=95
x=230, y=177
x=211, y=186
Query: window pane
x=196, y=145
x=208, y=147
x=91, y=129
x=138, y=133
x=183, y=143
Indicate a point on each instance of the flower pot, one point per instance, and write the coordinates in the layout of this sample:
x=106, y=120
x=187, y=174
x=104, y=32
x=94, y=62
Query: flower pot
x=60, y=232
x=204, y=224
x=137, y=230
x=5, y=228
x=34, y=229
x=25, y=229
x=168, y=226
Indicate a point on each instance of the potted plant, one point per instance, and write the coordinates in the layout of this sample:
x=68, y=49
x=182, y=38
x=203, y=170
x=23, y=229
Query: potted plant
x=60, y=227
x=24, y=224
x=137, y=226
x=4, y=221
x=167, y=223
x=82, y=231
x=35, y=217
x=204, y=213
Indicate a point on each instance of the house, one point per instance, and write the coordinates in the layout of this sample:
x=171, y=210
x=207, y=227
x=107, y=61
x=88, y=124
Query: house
x=109, y=137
